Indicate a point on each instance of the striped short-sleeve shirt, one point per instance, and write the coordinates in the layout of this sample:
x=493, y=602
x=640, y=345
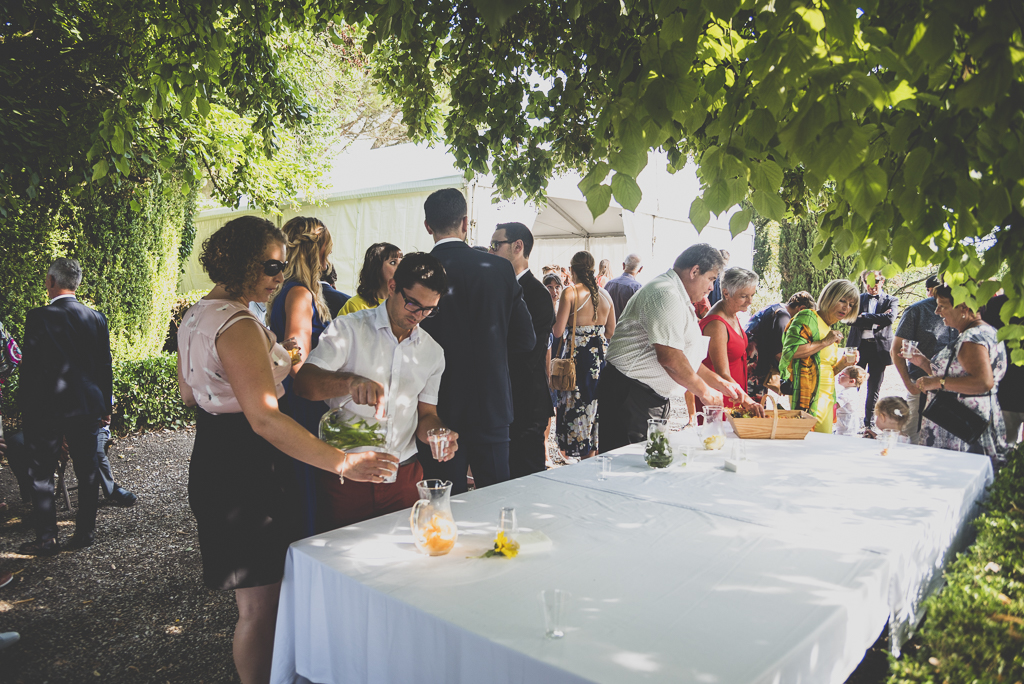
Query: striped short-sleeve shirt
x=660, y=313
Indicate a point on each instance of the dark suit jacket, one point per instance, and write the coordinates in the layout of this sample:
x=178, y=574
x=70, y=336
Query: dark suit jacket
x=884, y=317
x=531, y=399
x=481, y=319
x=66, y=365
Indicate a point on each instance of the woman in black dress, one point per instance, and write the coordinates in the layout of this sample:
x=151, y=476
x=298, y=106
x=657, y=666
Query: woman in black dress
x=230, y=367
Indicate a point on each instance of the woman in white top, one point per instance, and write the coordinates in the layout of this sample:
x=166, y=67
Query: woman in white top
x=592, y=325
x=240, y=489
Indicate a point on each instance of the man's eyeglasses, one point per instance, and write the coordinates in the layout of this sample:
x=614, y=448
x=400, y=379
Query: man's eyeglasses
x=412, y=306
x=497, y=243
x=272, y=267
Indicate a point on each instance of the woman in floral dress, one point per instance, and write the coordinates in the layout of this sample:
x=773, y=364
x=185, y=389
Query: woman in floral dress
x=972, y=367
x=594, y=323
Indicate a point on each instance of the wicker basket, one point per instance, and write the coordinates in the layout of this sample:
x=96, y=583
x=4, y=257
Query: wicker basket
x=796, y=424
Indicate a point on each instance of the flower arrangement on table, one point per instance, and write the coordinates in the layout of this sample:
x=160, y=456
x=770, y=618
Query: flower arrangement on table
x=503, y=546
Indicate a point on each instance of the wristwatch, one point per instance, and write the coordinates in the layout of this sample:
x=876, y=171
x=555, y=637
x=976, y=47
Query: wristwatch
x=942, y=383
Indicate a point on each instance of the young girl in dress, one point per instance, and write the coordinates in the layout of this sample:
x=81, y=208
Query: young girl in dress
x=849, y=403
x=891, y=413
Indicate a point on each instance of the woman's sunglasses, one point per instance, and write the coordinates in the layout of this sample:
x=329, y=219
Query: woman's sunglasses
x=272, y=267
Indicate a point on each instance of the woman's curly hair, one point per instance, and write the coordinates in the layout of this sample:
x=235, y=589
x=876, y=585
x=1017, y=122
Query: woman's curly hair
x=233, y=256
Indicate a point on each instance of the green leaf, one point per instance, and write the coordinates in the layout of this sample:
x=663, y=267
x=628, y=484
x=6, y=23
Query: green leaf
x=700, y=216
x=716, y=197
x=762, y=125
x=598, y=200
x=739, y=222
x=767, y=176
x=122, y=165
x=100, y=169
x=769, y=205
x=495, y=13
x=936, y=44
x=915, y=165
x=203, y=105
x=865, y=188
x=136, y=207
x=626, y=191
x=594, y=178
x=814, y=19
x=117, y=142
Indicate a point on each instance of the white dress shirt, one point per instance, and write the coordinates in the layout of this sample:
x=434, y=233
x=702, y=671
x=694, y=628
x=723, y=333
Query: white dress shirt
x=410, y=371
x=659, y=313
x=872, y=308
x=64, y=296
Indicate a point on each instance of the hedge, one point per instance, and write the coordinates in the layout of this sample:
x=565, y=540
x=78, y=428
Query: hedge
x=974, y=629
x=147, y=395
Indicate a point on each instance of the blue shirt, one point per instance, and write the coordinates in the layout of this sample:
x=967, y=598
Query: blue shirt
x=621, y=289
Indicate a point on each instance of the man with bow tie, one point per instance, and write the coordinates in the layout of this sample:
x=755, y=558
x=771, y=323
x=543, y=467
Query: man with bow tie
x=871, y=334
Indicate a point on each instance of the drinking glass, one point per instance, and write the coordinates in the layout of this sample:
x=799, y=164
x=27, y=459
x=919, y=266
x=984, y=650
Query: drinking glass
x=438, y=439
x=739, y=450
x=889, y=439
x=909, y=347
x=554, y=602
x=507, y=523
x=604, y=466
x=851, y=354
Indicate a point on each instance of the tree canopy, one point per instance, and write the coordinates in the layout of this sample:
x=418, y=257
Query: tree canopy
x=249, y=96
x=905, y=114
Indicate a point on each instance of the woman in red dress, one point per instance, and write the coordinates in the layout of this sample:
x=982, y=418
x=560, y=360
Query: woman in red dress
x=727, y=348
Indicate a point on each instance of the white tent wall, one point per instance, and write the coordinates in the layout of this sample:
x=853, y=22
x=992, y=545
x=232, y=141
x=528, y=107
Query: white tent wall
x=378, y=195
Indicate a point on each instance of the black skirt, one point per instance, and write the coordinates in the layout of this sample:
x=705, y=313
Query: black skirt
x=242, y=492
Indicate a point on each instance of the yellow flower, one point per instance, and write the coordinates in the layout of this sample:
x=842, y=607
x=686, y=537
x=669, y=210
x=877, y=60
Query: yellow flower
x=506, y=547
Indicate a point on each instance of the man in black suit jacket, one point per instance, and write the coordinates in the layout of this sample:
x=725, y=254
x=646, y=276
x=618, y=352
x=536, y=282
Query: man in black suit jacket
x=871, y=335
x=66, y=388
x=531, y=399
x=479, y=321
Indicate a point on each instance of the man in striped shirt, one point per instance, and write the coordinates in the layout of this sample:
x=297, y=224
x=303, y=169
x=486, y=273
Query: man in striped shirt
x=657, y=351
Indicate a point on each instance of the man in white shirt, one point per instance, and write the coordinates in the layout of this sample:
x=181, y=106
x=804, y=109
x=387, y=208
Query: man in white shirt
x=657, y=347
x=379, y=362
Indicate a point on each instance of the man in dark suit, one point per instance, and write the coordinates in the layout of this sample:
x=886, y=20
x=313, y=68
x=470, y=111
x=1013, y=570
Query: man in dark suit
x=531, y=399
x=480, y=320
x=66, y=386
x=871, y=335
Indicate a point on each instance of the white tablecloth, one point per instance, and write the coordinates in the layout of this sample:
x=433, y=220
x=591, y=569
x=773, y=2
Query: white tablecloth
x=683, y=575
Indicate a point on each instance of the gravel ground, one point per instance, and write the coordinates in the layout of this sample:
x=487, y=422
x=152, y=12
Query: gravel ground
x=132, y=607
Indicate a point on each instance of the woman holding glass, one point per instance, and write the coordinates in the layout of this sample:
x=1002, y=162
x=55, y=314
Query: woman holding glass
x=810, y=352
x=240, y=486
x=379, y=264
x=972, y=368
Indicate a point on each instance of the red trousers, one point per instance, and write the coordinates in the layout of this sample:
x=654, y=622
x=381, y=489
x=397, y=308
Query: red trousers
x=339, y=504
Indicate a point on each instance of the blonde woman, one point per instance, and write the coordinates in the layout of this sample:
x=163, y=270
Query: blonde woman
x=299, y=312
x=810, y=352
x=604, y=272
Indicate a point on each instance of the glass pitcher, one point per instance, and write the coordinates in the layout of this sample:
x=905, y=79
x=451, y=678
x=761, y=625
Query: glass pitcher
x=433, y=527
x=712, y=431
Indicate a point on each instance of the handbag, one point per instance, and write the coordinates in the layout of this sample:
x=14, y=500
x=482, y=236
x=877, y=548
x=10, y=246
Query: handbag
x=946, y=411
x=563, y=371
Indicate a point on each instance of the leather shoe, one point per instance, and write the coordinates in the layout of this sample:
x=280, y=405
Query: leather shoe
x=80, y=541
x=40, y=548
x=6, y=578
x=122, y=497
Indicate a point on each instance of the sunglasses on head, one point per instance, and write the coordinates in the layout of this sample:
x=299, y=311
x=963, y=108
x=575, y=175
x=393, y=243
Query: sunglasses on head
x=272, y=267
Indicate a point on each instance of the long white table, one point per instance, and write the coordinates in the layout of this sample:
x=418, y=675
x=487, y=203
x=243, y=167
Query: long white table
x=689, y=574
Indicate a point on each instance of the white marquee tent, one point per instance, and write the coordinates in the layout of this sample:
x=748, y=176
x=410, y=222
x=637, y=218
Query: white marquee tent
x=377, y=196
